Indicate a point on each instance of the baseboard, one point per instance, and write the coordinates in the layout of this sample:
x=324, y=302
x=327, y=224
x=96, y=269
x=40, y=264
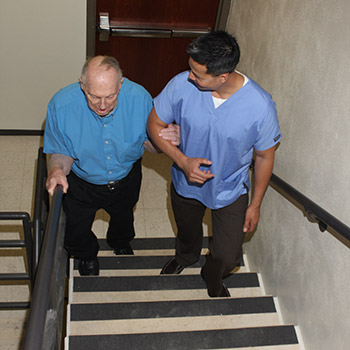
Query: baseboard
x=21, y=132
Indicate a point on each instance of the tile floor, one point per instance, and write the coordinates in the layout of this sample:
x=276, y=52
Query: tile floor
x=18, y=154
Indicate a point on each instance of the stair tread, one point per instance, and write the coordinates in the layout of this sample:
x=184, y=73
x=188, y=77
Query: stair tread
x=173, y=324
x=164, y=295
x=188, y=308
x=151, y=272
x=164, y=282
x=138, y=262
x=135, y=262
x=150, y=243
x=132, y=305
x=208, y=339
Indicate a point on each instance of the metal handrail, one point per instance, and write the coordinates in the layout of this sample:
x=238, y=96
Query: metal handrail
x=313, y=212
x=45, y=318
x=41, y=207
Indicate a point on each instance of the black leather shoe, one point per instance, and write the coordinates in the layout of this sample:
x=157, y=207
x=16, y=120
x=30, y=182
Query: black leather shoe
x=172, y=268
x=216, y=288
x=124, y=251
x=89, y=267
x=224, y=293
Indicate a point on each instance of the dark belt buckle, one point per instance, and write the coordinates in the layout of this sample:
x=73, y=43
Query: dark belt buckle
x=112, y=185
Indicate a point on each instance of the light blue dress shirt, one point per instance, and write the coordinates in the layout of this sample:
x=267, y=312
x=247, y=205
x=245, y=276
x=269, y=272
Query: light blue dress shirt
x=103, y=148
x=225, y=135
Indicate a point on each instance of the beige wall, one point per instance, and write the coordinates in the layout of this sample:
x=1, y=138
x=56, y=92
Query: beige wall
x=43, y=45
x=299, y=51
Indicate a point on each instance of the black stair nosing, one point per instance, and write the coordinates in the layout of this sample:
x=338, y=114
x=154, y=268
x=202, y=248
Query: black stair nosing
x=152, y=283
x=138, y=262
x=192, y=340
x=149, y=243
x=176, y=308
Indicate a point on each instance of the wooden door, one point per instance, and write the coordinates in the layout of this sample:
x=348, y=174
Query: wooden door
x=149, y=37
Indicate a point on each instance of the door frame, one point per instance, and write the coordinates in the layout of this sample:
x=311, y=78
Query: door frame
x=220, y=22
x=90, y=27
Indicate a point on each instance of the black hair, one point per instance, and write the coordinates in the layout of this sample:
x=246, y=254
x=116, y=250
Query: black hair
x=218, y=51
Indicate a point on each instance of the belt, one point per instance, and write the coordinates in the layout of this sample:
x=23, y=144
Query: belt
x=111, y=185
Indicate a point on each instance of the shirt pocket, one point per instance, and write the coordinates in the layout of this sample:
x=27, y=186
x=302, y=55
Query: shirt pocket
x=132, y=151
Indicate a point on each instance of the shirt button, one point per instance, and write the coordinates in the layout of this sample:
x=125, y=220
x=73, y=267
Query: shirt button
x=106, y=142
x=104, y=125
x=108, y=157
x=110, y=172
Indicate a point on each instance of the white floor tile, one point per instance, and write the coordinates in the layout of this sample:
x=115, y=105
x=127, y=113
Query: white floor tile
x=159, y=223
x=10, y=190
x=13, y=144
x=100, y=225
x=11, y=334
x=14, y=293
x=156, y=167
x=155, y=194
x=139, y=222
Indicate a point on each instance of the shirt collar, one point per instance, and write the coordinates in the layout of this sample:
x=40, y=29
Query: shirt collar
x=106, y=117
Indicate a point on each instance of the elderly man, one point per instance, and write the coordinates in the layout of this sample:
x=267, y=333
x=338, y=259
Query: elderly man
x=223, y=116
x=96, y=135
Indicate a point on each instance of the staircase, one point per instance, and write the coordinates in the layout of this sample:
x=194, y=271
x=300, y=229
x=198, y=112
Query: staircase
x=131, y=306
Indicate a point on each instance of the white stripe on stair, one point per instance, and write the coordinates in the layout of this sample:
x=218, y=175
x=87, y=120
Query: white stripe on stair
x=172, y=324
x=146, y=252
x=161, y=295
x=152, y=272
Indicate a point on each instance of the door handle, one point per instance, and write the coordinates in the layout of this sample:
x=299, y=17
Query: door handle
x=140, y=33
x=103, y=27
x=106, y=30
x=189, y=33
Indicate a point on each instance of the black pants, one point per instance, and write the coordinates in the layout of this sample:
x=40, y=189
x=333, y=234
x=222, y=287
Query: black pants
x=81, y=203
x=225, y=246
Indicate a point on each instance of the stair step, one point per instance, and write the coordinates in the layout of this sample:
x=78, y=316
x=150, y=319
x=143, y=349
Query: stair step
x=183, y=308
x=172, y=324
x=136, y=262
x=150, y=272
x=131, y=306
x=142, y=265
x=149, y=243
x=185, y=315
x=164, y=295
x=163, y=282
x=145, y=252
x=208, y=339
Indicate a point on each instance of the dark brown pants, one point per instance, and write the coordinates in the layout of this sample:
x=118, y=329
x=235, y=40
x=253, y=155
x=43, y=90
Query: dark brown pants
x=225, y=245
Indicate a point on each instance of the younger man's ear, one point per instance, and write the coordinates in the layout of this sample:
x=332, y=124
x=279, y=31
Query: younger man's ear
x=224, y=77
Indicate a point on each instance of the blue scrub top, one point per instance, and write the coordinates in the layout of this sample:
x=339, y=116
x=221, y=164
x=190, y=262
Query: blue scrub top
x=225, y=135
x=103, y=148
